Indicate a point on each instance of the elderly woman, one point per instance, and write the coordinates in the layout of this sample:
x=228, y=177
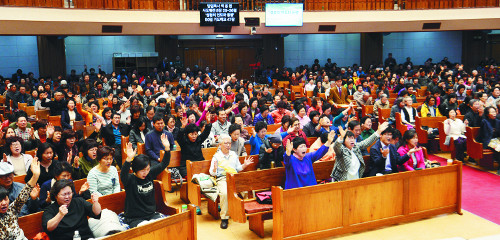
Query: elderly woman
x=9, y=211
x=223, y=162
x=66, y=214
x=408, y=113
x=349, y=164
x=454, y=129
x=103, y=178
x=489, y=131
x=409, y=146
x=298, y=164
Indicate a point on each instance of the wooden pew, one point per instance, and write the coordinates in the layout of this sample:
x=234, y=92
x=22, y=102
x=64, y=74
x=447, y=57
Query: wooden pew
x=399, y=124
x=366, y=109
x=484, y=157
x=176, y=226
x=240, y=209
x=422, y=134
x=194, y=191
x=344, y=207
x=383, y=115
x=208, y=153
x=166, y=177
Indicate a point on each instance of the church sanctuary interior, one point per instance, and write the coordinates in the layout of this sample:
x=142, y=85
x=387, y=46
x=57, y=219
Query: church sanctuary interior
x=250, y=119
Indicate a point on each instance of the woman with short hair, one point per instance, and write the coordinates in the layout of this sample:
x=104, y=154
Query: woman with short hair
x=103, y=178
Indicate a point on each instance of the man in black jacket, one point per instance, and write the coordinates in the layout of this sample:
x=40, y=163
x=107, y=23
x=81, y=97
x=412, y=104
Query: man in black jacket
x=384, y=156
x=112, y=134
x=472, y=117
x=271, y=150
x=56, y=106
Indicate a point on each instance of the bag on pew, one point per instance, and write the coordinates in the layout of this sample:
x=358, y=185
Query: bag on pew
x=207, y=185
x=431, y=164
x=109, y=223
x=176, y=175
x=264, y=197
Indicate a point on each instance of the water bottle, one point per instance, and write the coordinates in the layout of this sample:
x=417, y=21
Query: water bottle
x=184, y=208
x=77, y=236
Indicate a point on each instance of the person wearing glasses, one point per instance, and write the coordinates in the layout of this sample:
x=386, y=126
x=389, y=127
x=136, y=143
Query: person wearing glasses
x=223, y=162
x=68, y=214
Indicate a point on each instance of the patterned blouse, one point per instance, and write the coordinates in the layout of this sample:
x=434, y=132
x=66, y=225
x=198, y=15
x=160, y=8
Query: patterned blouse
x=9, y=227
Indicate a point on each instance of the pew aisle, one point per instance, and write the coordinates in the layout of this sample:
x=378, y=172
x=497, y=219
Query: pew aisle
x=444, y=226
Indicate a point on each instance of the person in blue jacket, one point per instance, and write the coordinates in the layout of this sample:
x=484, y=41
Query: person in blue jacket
x=260, y=134
x=298, y=165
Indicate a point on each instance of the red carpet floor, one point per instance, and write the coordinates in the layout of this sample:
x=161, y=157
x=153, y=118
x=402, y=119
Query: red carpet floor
x=480, y=192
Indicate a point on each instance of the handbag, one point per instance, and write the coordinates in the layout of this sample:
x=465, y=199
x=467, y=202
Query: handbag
x=264, y=197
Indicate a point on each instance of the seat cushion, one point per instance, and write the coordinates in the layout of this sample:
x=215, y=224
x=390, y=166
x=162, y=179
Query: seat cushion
x=255, y=207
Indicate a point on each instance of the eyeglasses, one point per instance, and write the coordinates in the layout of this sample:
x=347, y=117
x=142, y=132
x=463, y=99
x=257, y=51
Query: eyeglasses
x=68, y=194
x=10, y=175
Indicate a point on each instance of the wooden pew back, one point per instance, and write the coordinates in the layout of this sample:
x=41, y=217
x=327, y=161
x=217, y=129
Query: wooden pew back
x=431, y=122
x=349, y=206
x=366, y=109
x=383, y=115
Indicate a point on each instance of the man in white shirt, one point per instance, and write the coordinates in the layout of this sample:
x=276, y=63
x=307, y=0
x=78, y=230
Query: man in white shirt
x=225, y=162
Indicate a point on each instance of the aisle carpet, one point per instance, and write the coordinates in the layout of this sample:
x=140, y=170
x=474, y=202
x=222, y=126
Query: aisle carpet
x=480, y=191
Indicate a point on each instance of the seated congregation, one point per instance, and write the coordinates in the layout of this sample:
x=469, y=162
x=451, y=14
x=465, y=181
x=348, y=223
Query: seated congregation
x=68, y=145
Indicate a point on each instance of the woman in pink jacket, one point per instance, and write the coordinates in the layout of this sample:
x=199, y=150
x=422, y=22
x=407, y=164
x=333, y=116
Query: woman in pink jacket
x=409, y=146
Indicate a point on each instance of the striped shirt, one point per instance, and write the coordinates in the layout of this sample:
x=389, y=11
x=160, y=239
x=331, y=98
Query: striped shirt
x=103, y=183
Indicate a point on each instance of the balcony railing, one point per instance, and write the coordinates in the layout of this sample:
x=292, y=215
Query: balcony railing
x=256, y=5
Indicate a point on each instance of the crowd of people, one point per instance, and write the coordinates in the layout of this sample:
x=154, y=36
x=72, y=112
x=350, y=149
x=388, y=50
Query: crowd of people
x=176, y=108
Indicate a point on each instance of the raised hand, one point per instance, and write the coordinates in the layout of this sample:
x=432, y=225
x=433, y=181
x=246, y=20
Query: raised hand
x=77, y=99
x=35, y=167
x=35, y=192
x=184, y=122
x=466, y=122
x=131, y=152
x=94, y=198
x=342, y=132
x=4, y=158
x=98, y=124
x=63, y=210
x=269, y=150
x=248, y=161
x=253, y=134
x=32, y=133
x=382, y=127
x=289, y=147
x=110, y=97
x=76, y=162
x=50, y=129
x=48, y=197
x=84, y=187
x=165, y=142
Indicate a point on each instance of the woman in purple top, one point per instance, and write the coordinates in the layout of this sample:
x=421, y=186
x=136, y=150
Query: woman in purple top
x=298, y=164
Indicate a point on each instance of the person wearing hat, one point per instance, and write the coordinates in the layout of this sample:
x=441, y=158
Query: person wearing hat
x=10, y=210
x=271, y=150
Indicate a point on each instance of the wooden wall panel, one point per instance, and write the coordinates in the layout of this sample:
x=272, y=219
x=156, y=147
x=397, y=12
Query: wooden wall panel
x=51, y=56
x=318, y=205
x=202, y=57
x=373, y=198
x=438, y=185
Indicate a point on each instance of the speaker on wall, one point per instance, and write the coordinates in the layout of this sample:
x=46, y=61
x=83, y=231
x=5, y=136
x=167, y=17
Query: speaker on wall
x=431, y=26
x=225, y=29
x=112, y=28
x=252, y=22
x=327, y=28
